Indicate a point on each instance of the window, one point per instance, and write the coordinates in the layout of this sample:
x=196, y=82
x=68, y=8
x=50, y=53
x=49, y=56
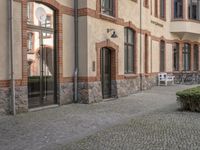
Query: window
x=30, y=42
x=196, y=57
x=194, y=9
x=107, y=7
x=162, y=9
x=129, y=48
x=176, y=57
x=178, y=9
x=33, y=12
x=146, y=3
x=162, y=56
x=30, y=13
x=186, y=57
x=156, y=8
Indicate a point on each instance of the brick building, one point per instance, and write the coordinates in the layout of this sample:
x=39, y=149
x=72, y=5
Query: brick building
x=54, y=53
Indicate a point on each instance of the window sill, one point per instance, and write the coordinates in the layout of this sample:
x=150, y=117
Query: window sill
x=193, y=20
x=178, y=19
x=163, y=19
x=130, y=76
x=107, y=17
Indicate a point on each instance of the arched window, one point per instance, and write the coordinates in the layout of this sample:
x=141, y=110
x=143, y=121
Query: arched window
x=129, y=50
x=176, y=57
x=196, y=57
x=162, y=56
x=178, y=9
x=186, y=56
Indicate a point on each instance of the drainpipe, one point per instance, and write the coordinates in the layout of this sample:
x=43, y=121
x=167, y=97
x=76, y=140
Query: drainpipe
x=141, y=45
x=76, y=50
x=12, y=80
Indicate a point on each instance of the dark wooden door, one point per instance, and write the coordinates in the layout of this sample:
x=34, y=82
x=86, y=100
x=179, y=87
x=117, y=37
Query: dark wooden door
x=106, y=72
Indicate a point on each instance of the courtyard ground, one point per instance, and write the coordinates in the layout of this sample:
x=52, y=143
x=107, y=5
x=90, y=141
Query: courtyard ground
x=142, y=121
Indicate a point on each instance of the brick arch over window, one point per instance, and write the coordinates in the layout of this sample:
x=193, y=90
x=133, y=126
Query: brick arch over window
x=57, y=7
x=114, y=58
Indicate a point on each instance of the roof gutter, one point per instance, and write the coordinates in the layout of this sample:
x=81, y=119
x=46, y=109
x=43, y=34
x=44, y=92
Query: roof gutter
x=141, y=84
x=76, y=50
x=12, y=80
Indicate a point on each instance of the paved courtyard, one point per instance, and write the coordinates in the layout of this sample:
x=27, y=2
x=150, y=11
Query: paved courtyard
x=143, y=121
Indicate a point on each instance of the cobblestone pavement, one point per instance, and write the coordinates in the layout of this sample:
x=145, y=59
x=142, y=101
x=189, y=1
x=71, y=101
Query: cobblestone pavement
x=147, y=120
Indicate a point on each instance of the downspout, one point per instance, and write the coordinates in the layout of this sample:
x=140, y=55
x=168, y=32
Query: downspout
x=12, y=80
x=141, y=46
x=76, y=50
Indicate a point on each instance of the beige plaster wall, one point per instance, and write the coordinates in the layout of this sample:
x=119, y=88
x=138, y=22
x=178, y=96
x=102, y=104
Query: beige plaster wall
x=4, y=55
x=130, y=11
x=68, y=46
x=4, y=49
x=169, y=58
x=83, y=46
x=97, y=32
x=17, y=40
x=69, y=3
x=155, y=56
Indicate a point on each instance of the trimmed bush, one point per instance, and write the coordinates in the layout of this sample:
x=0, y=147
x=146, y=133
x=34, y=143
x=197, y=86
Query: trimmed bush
x=189, y=99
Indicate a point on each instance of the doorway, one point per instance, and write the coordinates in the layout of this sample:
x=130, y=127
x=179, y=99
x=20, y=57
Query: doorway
x=106, y=72
x=41, y=56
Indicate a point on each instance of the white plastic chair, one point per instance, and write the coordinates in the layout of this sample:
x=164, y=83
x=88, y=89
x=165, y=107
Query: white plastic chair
x=165, y=78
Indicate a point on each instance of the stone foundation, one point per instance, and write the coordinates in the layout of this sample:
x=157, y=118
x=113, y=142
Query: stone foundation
x=187, y=78
x=65, y=93
x=4, y=101
x=131, y=86
x=92, y=92
x=21, y=98
x=21, y=93
x=89, y=92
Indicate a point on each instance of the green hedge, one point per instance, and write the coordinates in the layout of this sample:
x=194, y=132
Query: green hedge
x=189, y=99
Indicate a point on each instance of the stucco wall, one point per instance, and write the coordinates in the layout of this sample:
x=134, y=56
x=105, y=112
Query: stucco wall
x=97, y=32
x=68, y=3
x=68, y=46
x=4, y=49
x=4, y=61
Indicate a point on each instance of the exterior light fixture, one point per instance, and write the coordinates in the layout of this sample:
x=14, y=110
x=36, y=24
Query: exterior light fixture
x=114, y=35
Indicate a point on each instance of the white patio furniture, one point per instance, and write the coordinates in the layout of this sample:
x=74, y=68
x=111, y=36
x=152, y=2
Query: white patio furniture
x=164, y=78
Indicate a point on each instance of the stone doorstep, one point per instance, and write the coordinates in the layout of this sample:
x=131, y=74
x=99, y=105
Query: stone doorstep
x=109, y=99
x=43, y=107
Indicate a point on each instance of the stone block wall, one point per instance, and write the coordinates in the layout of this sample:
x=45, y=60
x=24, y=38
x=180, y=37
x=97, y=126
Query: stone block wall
x=65, y=93
x=91, y=92
x=4, y=101
x=21, y=100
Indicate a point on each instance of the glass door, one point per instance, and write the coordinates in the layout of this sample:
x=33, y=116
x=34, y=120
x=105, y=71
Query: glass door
x=41, y=73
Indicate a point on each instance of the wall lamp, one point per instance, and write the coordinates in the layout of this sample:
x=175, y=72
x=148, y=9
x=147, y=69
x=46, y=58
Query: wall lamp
x=114, y=35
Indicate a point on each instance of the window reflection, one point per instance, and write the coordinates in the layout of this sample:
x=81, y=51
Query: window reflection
x=33, y=9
